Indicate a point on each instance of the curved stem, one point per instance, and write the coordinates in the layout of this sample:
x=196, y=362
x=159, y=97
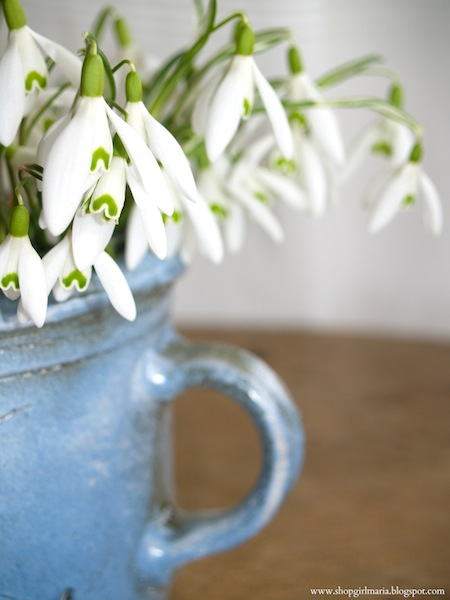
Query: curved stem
x=382, y=107
x=360, y=66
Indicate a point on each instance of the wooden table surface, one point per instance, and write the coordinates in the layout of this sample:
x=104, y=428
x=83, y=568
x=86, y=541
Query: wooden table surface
x=372, y=505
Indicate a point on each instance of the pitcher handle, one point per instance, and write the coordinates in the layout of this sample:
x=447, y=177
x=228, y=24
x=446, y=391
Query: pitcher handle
x=247, y=379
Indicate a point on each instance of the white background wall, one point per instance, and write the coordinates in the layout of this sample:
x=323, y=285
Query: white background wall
x=329, y=273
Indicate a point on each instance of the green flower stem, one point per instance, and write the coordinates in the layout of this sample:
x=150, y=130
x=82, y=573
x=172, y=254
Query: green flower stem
x=11, y=174
x=109, y=74
x=200, y=10
x=100, y=23
x=350, y=69
x=14, y=14
x=122, y=32
x=382, y=107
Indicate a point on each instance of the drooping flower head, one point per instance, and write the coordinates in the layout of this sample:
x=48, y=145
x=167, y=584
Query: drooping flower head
x=23, y=70
x=21, y=270
x=385, y=137
x=219, y=112
x=78, y=151
x=400, y=191
x=322, y=122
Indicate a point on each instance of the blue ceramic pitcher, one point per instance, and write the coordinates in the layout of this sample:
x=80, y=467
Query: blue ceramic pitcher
x=87, y=502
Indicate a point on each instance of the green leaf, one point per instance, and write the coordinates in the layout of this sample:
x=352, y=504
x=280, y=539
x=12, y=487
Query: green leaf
x=348, y=70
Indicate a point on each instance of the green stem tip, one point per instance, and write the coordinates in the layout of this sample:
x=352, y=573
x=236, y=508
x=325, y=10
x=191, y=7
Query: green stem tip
x=92, y=75
x=416, y=153
x=20, y=222
x=295, y=60
x=133, y=87
x=245, y=39
x=14, y=14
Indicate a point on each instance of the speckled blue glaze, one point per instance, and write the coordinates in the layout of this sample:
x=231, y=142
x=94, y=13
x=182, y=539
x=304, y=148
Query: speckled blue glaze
x=87, y=508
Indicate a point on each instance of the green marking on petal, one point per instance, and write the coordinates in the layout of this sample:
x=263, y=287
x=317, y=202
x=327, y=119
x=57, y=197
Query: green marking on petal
x=408, y=200
x=286, y=166
x=97, y=155
x=10, y=281
x=220, y=211
x=247, y=108
x=75, y=279
x=176, y=217
x=107, y=204
x=261, y=196
x=382, y=148
x=47, y=124
x=297, y=117
x=34, y=76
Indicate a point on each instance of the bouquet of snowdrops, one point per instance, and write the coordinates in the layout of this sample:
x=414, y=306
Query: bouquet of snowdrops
x=103, y=157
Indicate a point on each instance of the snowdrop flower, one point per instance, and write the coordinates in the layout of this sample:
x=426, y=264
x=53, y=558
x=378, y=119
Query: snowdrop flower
x=160, y=141
x=23, y=70
x=78, y=150
x=21, y=270
x=308, y=169
x=322, y=121
x=384, y=137
x=191, y=229
x=232, y=100
x=63, y=277
x=400, y=190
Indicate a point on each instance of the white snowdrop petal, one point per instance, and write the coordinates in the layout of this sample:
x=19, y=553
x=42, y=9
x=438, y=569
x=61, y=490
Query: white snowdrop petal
x=200, y=111
x=313, y=178
x=169, y=152
x=390, y=200
x=135, y=118
x=90, y=236
x=234, y=228
x=432, y=206
x=326, y=131
x=275, y=113
x=115, y=286
x=226, y=109
x=5, y=249
x=143, y=162
x=136, y=245
x=33, y=287
x=68, y=62
x=54, y=261
x=260, y=213
x=66, y=172
x=152, y=221
x=34, y=69
x=359, y=150
x=206, y=229
x=12, y=92
x=283, y=188
x=61, y=293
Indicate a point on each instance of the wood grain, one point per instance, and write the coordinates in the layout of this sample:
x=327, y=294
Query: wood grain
x=372, y=505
